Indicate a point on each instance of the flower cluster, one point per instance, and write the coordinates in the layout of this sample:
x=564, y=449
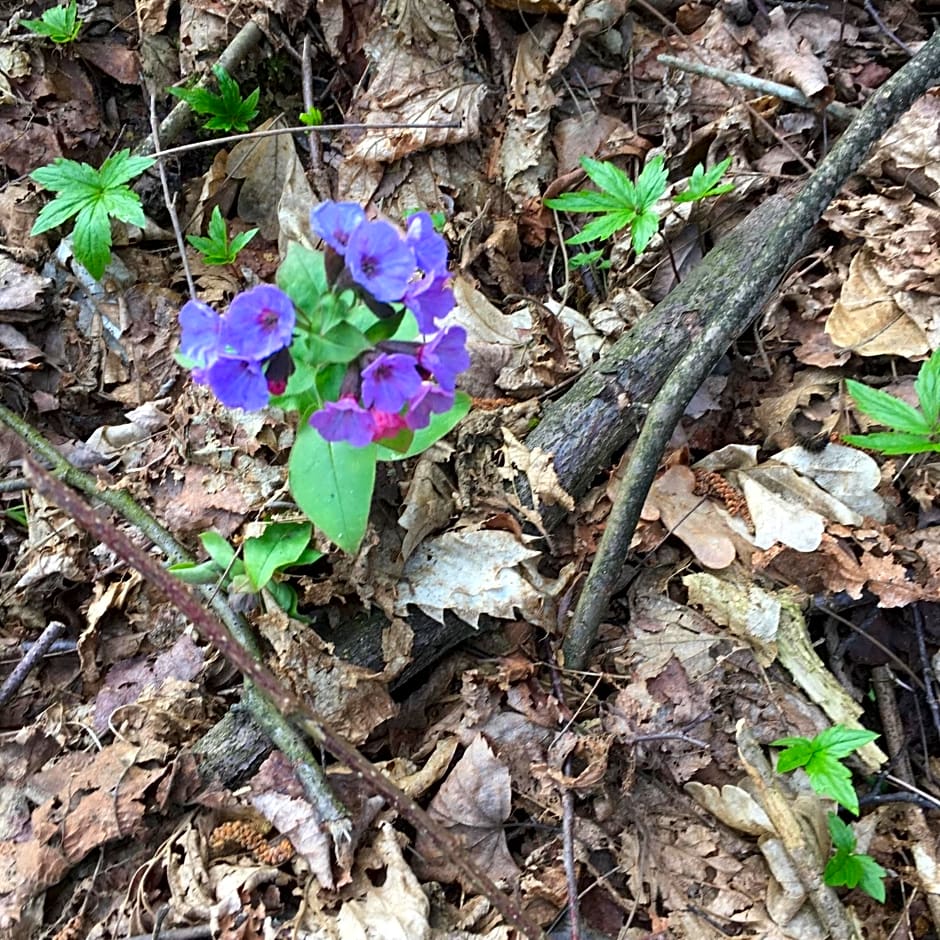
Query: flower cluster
x=247, y=354
x=241, y=354
x=396, y=385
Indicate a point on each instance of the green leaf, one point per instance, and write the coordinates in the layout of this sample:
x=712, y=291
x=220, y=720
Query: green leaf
x=887, y=409
x=218, y=549
x=642, y=230
x=613, y=180
x=585, y=258
x=332, y=483
x=279, y=546
x=651, y=184
x=312, y=117
x=340, y=344
x=121, y=167
x=927, y=386
x=217, y=249
x=703, y=184
x=893, y=442
x=797, y=754
x=230, y=112
x=849, y=869
x=840, y=741
x=828, y=777
x=240, y=241
x=60, y=24
x=302, y=277
x=205, y=572
x=586, y=200
x=94, y=197
x=440, y=425
x=603, y=227
x=842, y=836
x=91, y=239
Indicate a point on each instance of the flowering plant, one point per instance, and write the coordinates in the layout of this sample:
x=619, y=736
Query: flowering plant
x=349, y=338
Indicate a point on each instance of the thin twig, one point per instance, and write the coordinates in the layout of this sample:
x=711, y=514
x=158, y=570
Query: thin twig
x=880, y=23
x=930, y=689
x=288, y=703
x=321, y=182
x=841, y=112
x=302, y=129
x=26, y=665
x=170, y=201
x=780, y=247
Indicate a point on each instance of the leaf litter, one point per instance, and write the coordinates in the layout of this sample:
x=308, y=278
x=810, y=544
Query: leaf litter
x=107, y=816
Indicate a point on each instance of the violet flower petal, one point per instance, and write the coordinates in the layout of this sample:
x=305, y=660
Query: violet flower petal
x=389, y=381
x=379, y=260
x=258, y=323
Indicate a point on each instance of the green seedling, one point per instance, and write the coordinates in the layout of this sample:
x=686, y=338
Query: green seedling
x=229, y=110
x=821, y=759
x=94, y=197
x=850, y=869
x=916, y=430
x=217, y=248
x=622, y=203
x=312, y=117
x=60, y=24
x=282, y=545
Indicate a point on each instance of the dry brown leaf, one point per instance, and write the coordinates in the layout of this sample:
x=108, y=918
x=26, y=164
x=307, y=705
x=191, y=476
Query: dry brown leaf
x=428, y=504
x=791, y=59
x=538, y=466
x=473, y=803
x=697, y=521
x=868, y=317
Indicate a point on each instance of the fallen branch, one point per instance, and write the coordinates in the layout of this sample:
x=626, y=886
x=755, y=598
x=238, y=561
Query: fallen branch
x=780, y=247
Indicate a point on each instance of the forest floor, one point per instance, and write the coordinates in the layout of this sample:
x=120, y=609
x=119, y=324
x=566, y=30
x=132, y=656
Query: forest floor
x=781, y=583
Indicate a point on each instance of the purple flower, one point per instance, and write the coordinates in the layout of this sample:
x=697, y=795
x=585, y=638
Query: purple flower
x=238, y=383
x=429, y=299
x=200, y=333
x=429, y=247
x=389, y=381
x=259, y=322
x=344, y=420
x=446, y=356
x=431, y=399
x=334, y=222
x=379, y=260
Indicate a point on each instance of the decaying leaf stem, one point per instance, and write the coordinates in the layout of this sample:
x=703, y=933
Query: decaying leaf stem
x=780, y=247
x=287, y=703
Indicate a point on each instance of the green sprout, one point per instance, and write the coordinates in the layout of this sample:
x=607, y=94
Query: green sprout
x=60, y=24
x=217, y=248
x=229, y=110
x=94, y=197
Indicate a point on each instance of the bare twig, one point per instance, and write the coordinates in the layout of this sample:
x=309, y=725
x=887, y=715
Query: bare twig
x=930, y=682
x=288, y=703
x=880, y=23
x=169, y=201
x=781, y=245
x=26, y=665
x=841, y=112
x=302, y=129
x=321, y=182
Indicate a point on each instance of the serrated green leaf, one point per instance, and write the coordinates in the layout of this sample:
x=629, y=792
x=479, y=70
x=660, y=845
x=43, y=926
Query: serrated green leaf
x=927, y=386
x=603, y=227
x=871, y=878
x=887, y=409
x=842, y=836
x=611, y=179
x=642, y=230
x=121, y=167
x=829, y=777
x=279, y=546
x=201, y=100
x=240, y=241
x=216, y=228
x=586, y=200
x=650, y=184
x=840, y=741
x=584, y=258
x=123, y=203
x=892, y=443
x=703, y=183
x=60, y=24
x=91, y=239
x=57, y=212
x=797, y=754
x=332, y=483
x=64, y=174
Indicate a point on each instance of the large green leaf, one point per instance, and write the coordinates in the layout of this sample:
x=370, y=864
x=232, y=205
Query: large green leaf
x=332, y=483
x=927, y=386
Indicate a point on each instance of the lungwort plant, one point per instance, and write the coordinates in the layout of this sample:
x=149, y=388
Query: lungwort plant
x=350, y=340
